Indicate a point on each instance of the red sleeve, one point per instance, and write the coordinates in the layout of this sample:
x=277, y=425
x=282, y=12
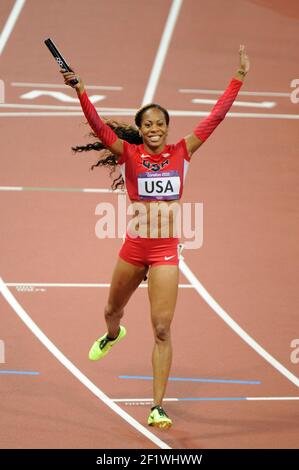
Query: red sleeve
x=104, y=132
x=209, y=124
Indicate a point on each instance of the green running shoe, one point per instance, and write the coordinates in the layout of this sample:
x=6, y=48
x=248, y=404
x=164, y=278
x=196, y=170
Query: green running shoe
x=159, y=418
x=102, y=346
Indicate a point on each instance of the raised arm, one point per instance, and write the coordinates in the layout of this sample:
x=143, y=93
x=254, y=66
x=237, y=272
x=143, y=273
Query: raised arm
x=205, y=128
x=104, y=132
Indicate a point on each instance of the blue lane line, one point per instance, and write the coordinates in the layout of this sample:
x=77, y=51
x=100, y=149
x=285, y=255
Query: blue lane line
x=18, y=372
x=181, y=379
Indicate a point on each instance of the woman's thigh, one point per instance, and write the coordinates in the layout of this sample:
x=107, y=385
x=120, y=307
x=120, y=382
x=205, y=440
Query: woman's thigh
x=125, y=280
x=163, y=290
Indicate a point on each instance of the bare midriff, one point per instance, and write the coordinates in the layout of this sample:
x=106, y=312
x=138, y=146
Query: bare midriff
x=154, y=219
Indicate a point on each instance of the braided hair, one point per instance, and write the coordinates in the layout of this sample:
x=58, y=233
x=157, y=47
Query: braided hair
x=123, y=131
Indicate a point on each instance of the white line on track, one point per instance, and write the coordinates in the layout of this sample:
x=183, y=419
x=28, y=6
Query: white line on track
x=58, y=107
x=10, y=23
x=244, y=93
x=234, y=325
x=129, y=112
x=53, y=85
x=49, y=107
x=63, y=190
x=52, y=284
x=150, y=400
x=244, y=104
x=23, y=315
x=123, y=400
x=162, y=52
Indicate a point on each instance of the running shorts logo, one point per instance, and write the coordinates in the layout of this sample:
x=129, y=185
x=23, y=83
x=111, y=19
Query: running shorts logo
x=161, y=186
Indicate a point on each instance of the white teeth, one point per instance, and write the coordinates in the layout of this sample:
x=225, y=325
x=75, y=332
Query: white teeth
x=155, y=138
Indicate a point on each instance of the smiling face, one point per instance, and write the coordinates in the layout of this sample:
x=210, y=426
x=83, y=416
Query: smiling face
x=154, y=130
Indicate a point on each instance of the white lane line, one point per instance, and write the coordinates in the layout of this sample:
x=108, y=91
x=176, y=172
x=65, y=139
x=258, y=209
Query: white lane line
x=52, y=284
x=52, y=85
x=245, y=104
x=58, y=107
x=131, y=112
x=60, y=114
x=234, y=325
x=236, y=115
x=162, y=52
x=11, y=188
x=48, y=107
x=244, y=93
x=10, y=23
x=137, y=400
x=23, y=315
x=64, y=190
x=150, y=400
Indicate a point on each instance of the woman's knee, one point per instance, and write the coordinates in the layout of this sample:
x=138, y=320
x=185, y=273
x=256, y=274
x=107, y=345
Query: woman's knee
x=162, y=331
x=113, y=311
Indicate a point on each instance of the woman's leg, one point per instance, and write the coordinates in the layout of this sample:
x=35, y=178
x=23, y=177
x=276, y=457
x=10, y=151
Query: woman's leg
x=125, y=280
x=162, y=288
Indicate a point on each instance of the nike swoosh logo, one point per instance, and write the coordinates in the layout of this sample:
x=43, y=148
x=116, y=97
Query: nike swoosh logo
x=168, y=257
x=144, y=156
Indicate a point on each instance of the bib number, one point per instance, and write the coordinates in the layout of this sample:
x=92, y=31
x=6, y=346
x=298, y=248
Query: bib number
x=161, y=186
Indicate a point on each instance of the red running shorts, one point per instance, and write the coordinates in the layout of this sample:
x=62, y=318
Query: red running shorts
x=150, y=251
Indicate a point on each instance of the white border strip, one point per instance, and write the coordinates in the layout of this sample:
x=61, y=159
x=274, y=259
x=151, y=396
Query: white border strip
x=150, y=400
x=58, y=107
x=10, y=23
x=53, y=85
x=244, y=93
x=162, y=51
x=131, y=112
x=137, y=400
x=39, y=284
x=234, y=325
x=64, y=190
x=73, y=369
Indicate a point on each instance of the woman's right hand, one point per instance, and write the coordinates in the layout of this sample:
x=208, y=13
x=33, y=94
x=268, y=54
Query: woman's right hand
x=69, y=76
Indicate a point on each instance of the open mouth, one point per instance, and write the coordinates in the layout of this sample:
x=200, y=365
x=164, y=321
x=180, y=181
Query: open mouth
x=154, y=138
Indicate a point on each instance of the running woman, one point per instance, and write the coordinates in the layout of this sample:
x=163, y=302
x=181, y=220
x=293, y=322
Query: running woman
x=153, y=172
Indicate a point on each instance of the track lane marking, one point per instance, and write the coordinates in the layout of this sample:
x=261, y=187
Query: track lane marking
x=146, y=401
x=162, y=52
x=234, y=325
x=10, y=23
x=65, y=284
x=40, y=335
x=131, y=112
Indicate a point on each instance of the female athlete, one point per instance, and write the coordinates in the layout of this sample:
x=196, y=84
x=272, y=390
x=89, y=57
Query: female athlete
x=153, y=172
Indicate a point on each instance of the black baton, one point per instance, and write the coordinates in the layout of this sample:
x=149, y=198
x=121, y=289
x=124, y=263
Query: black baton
x=59, y=59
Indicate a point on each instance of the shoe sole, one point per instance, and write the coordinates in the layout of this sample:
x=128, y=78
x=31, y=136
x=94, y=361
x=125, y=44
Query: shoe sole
x=161, y=425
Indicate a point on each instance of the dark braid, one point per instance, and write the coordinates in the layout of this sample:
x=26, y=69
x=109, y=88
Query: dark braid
x=125, y=132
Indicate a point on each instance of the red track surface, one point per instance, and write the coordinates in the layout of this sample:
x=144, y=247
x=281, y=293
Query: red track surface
x=247, y=178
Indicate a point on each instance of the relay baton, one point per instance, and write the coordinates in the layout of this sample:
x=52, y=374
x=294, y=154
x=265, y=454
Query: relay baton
x=59, y=58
